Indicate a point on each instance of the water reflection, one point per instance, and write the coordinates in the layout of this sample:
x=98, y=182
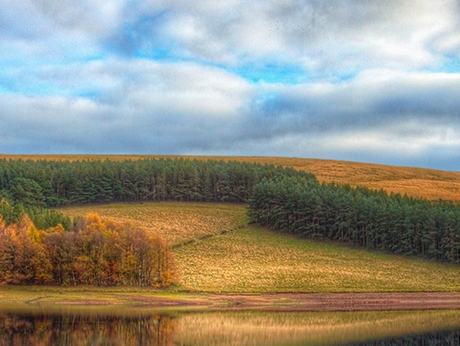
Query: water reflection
x=444, y=338
x=131, y=327
x=85, y=330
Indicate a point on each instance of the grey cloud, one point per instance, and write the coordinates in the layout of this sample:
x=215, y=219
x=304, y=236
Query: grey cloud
x=66, y=127
x=148, y=106
x=436, y=100
x=357, y=106
x=345, y=121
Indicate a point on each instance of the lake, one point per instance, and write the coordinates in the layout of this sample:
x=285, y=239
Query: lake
x=143, y=326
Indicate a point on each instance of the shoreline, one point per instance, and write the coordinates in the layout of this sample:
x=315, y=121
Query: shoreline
x=348, y=301
x=366, y=301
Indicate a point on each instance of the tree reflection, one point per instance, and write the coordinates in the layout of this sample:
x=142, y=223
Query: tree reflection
x=142, y=327
x=77, y=330
x=447, y=338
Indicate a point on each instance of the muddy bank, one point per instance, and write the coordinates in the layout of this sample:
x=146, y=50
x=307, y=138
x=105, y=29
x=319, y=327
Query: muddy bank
x=313, y=301
x=267, y=302
x=342, y=301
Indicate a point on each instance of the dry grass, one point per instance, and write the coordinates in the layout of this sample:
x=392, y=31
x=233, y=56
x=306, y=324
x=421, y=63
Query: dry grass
x=255, y=260
x=117, y=301
x=416, y=182
x=256, y=328
x=177, y=222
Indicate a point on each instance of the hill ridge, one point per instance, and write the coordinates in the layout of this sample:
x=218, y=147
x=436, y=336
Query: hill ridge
x=417, y=182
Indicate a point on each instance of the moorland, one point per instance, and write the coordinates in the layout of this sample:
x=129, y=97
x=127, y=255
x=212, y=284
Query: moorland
x=222, y=251
x=416, y=182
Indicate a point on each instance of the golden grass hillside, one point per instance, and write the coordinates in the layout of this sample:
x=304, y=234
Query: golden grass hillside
x=177, y=222
x=256, y=260
x=416, y=182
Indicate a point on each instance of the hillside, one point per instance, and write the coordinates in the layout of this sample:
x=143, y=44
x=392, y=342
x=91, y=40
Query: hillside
x=178, y=222
x=416, y=182
x=255, y=260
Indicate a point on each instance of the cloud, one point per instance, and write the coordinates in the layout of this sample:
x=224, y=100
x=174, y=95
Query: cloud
x=315, y=34
x=365, y=103
x=153, y=107
x=361, y=80
x=404, y=118
x=166, y=107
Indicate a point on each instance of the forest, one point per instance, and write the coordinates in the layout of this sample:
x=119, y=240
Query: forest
x=96, y=252
x=359, y=216
x=42, y=246
x=39, y=245
x=62, y=183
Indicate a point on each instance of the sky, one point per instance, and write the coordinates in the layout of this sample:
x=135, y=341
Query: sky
x=358, y=80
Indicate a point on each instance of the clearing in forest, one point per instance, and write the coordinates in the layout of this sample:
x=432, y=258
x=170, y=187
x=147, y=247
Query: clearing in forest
x=177, y=222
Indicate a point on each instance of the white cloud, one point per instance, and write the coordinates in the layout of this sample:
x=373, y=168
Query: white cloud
x=172, y=77
x=357, y=34
x=323, y=37
x=185, y=108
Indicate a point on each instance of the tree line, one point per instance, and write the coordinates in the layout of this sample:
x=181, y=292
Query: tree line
x=42, y=218
x=62, y=183
x=358, y=216
x=96, y=252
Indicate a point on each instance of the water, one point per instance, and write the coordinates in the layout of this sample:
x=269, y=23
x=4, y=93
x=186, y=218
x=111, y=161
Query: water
x=131, y=326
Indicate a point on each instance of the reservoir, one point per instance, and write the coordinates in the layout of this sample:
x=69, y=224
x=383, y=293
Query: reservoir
x=40, y=325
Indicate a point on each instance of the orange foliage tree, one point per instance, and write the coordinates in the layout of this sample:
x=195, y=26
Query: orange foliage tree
x=97, y=252
x=23, y=258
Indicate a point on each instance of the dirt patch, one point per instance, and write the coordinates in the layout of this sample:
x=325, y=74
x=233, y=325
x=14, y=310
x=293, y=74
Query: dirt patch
x=85, y=302
x=37, y=299
x=164, y=302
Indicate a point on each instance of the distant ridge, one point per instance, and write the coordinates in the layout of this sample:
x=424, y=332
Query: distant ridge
x=416, y=182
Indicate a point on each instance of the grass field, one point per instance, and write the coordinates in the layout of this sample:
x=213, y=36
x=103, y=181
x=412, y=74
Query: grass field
x=177, y=222
x=99, y=299
x=256, y=260
x=416, y=182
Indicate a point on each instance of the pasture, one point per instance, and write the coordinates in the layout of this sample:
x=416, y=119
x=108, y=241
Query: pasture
x=220, y=254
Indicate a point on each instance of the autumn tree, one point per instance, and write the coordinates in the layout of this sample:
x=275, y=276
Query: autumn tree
x=97, y=252
x=23, y=259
